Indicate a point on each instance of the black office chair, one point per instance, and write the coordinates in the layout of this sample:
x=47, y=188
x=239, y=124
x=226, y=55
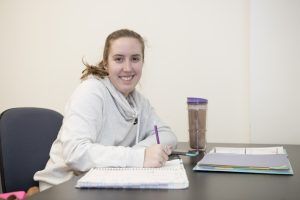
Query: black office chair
x=26, y=136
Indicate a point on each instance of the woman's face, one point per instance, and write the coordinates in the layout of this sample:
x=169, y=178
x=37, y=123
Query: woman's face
x=125, y=62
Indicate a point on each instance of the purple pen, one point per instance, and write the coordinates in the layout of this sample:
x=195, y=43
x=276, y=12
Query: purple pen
x=156, y=134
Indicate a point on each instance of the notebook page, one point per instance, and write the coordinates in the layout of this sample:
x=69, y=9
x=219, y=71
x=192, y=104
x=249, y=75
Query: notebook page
x=249, y=150
x=171, y=176
x=234, y=150
x=265, y=150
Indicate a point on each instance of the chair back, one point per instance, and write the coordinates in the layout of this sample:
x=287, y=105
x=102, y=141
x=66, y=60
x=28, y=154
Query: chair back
x=26, y=136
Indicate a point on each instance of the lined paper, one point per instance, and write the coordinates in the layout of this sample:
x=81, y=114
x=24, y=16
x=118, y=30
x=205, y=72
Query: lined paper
x=171, y=176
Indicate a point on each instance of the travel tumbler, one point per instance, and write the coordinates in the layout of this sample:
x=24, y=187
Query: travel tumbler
x=197, y=108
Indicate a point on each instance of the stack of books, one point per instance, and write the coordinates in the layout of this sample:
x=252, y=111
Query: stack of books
x=266, y=160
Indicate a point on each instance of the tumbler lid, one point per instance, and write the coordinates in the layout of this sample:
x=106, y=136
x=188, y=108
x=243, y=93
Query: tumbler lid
x=196, y=100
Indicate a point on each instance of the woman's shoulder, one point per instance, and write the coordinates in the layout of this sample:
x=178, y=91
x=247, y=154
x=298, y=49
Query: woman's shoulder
x=92, y=82
x=88, y=97
x=90, y=86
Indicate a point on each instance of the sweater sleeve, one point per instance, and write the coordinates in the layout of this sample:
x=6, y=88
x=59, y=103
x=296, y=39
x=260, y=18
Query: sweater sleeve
x=81, y=128
x=147, y=134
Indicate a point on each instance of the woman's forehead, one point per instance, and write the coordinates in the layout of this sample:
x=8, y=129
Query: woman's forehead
x=126, y=46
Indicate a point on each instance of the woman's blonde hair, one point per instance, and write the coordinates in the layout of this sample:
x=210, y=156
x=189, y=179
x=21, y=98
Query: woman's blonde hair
x=100, y=69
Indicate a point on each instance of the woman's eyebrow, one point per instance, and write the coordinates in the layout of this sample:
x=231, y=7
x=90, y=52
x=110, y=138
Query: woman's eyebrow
x=139, y=55
x=121, y=55
x=117, y=55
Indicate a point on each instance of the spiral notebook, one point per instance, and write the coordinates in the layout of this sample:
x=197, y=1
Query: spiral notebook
x=171, y=176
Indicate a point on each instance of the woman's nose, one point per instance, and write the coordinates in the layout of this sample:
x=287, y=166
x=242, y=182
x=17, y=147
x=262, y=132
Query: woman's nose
x=127, y=66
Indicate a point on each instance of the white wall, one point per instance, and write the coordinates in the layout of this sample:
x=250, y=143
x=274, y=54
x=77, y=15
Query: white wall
x=275, y=71
x=194, y=48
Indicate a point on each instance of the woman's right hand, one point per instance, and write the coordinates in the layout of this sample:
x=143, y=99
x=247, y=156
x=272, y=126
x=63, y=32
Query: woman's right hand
x=156, y=155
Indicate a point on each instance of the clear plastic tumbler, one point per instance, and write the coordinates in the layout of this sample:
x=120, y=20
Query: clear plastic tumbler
x=197, y=108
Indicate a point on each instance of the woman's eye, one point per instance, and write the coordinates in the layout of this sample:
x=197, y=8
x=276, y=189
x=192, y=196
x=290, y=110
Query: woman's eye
x=135, y=59
x=118, y=59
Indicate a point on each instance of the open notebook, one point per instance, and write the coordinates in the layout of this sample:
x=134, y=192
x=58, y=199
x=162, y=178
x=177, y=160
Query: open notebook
x=171, y=176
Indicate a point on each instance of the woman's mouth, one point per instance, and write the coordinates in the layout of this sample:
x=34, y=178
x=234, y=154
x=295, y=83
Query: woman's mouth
x=126, y=78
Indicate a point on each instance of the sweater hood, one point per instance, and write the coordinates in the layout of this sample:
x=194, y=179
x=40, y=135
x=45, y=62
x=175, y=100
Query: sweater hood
x=128, y=110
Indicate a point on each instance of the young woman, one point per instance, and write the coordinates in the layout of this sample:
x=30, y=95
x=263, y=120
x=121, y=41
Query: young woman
x=108, y=123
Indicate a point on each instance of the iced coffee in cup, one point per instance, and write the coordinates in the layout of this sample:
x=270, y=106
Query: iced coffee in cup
x=197, y=108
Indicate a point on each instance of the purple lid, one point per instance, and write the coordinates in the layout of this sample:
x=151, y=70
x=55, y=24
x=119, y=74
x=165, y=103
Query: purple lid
x=196, y=100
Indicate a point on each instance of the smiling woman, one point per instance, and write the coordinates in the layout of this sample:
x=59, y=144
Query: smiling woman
x=123, y=58
x=125, y=64
x=108, y=123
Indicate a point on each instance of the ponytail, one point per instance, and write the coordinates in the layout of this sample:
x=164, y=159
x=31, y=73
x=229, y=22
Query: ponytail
x=98, y=70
